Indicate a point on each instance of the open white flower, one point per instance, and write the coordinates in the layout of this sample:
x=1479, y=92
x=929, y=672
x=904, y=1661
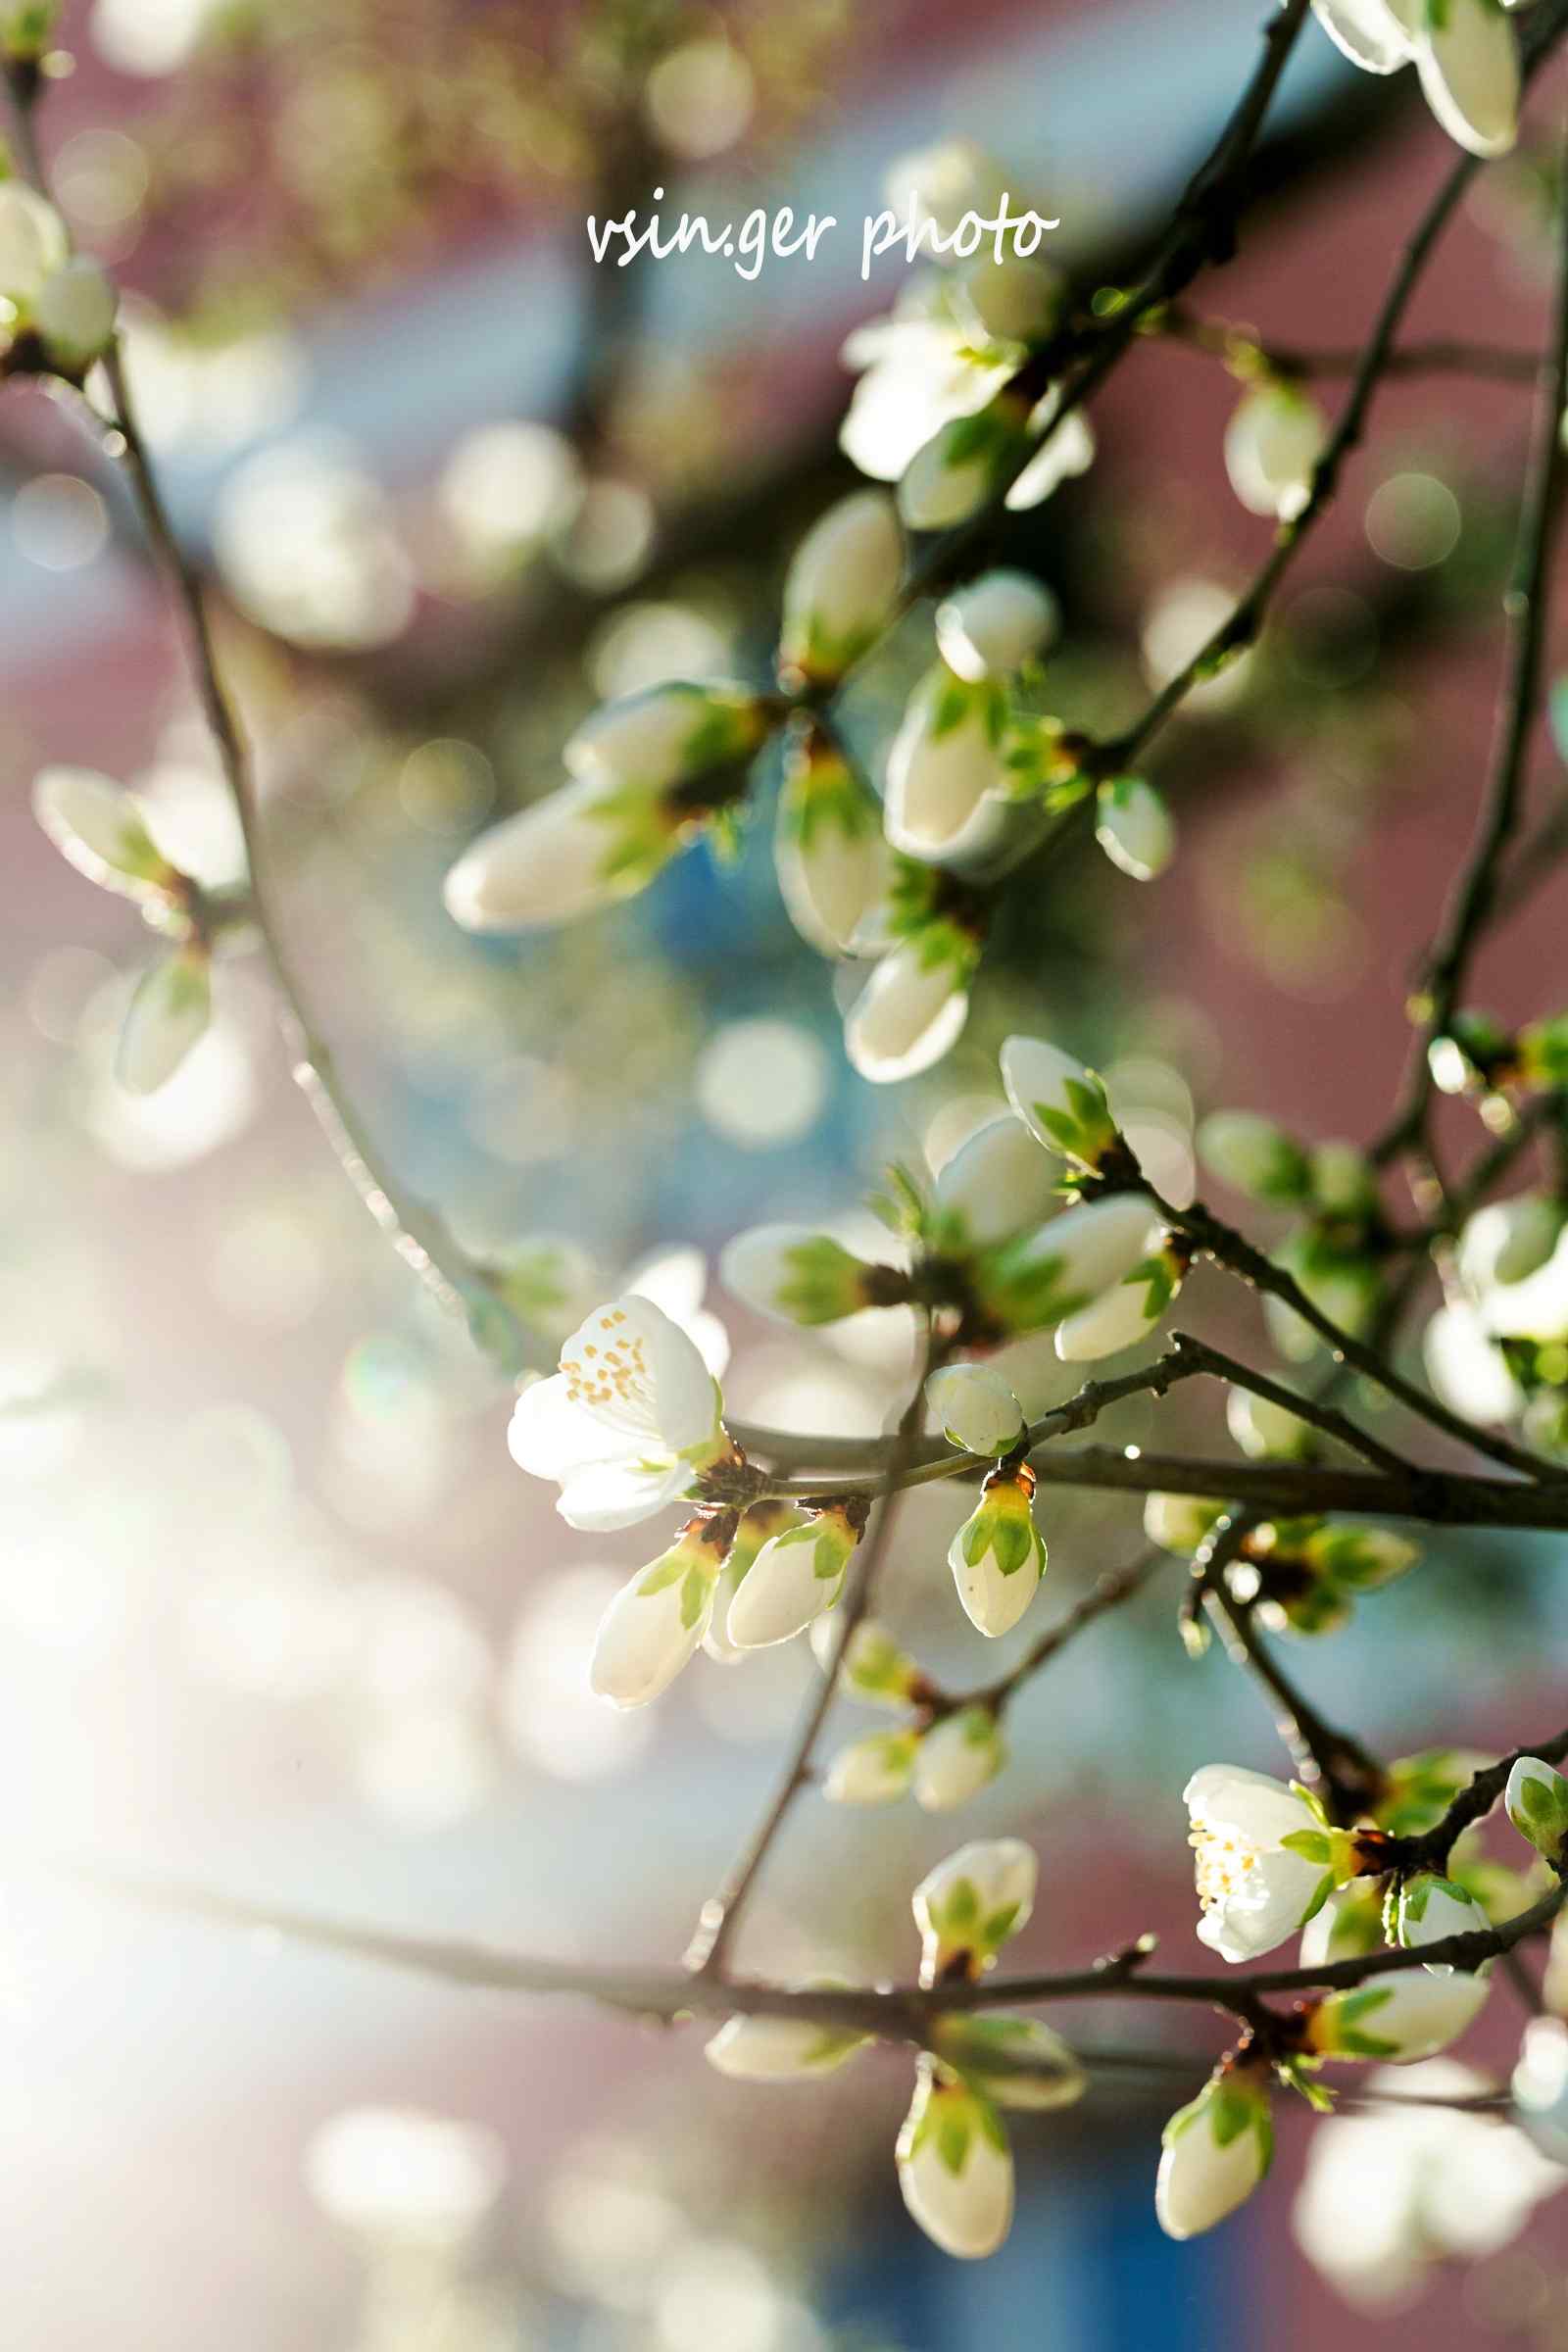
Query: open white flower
x=1272, y=444
x=998, y=1557
x=1537, y=1803
x=947, y=779
x=657, y=1622
x=966, y=463
x=781, y=2049
x=968, y=1906
x=98, y=827
x=794, y=1578
x=1265, y=1859
x=976, y=1408
x=911, y=1009
x=1134, y=827
x=1063, y=1104
x=1398, y=2018
x=841, y=589
x=957, y=1758
x=168, y=1015
x=628, y=1424
x=1215, y=2152
x=955, y=2165
x=800, y=1276
x=828, y=849
x=996, y=624
x=997, y=1183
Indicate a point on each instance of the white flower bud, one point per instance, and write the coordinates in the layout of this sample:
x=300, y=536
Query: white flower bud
x=1015, y=2061
x=968, y=1906
x=1265, y=1859
x=1016, y=300
x=798, y=1276
x=997, y=1182
x=910, y=1013
x=1468, y=59
x=1507, y=1240
x=671, y=734
x=963, y=465
x=1179, y=1522
x=828, y=849
x=74, y=313
x=1536, y=1803
x=1069, y=1261
x=872, y=1771
x=1134, y=827
x=96, y=824
x=976, y=1408
x=1122, y=1316
x=1063, y=1104
x=1359, y=1557
x=1540, y=2086
x=1215, y=2153
x=1373, y=33
x=1265, y=1430
x=998, y=1557
x=1466, y=1366
x=1254, y=1156
x=955, y=2166
x=842, y=588
x=781, y=2049
x=33, y=244
x=957, y=1758
x=947, y=781
x=1272, y=444
x=874, y=1667
x=167, y=1016
x=581, y=848
x=657, y=1622
x=1065, y=450
x=1429, y=1908
x=996, y=624
x=792, y=1579
x=1398, y=2018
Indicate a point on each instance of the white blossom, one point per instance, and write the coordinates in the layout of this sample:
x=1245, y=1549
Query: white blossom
x=628, y=1424
x=33, y=244
x=1179, y=1522
x=1063, y=1104
x=1429, y=1908
x=1253, y=1156
x=968, y=1906
x=168, y=1013
x=997, y=623
x=917, y=367
x=976, y=1408
x=997, y=1182
x=1264, y=1859
x=948, y=780
x=1134, y=827
x=794, y=1578
x=955, y=2166
x=656, y=1621
x=797, y=1275
x=1377, y=34
x=1400, y=2018
x=669, y=734
x=582, y=847
x=1215, y=2152
x=1123, y=1315
x=99, y=827
x=781, y=2049
x=1070, y=1260
x=74, y=312
x=1466, y=1366
x=957, y=1758
x=1507, y=1240
x=998, y=1557
x=910, y=1013
x=1468, y=59
x=1272, y=444
x=1540, y=2086
x=828, y=848
x=874, y=1770
x=842, y=587
x=1016, y=300
x=965, y=465
x=1537, y=1803
x=1066, y=448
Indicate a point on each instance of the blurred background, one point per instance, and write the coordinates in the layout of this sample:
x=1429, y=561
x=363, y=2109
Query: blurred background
x=278, y=1614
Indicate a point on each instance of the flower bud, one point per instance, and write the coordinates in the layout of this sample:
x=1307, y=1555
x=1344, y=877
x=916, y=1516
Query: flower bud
x=1015, y=2060
x=583, y=847
x=872, y=1771
x=997, y=1183
x=1016, y=300
x=1254, y=1156
x=1265, y=1430
x=1063, y=1104
x=955, y=2166
x=1134, y=827
x=676, y=733
x=1398, y=2018
x=912, y=1009
x=842, y=588
x=1343, y=1182
x=1536, y=1803
x=780, y=2049
x=98, y=828
x=758, y=1526
x=1065, y=449
x=1122, y=1316
x=968, y=1906
x=996, y=624
x=978, y=1411
x=74, y=315
x=998, y=1557
x=1069, y=1261
x=828, y=849
x=957, y=1758
x=1507, y=1240
x=1540, y=2087
x=798, y=1276
x=875, y=1669
x=1428, y=1908
x=1468, y=60
x=167, y=1016
x=1272, y=445
x=1376, y=34
x=1179, y=1522
x=33, y=244
x=792, y=1579
x=657, y=1620
x=1362, y=1557
x=965, y=465
x=1215, y=2152
x=948, y=780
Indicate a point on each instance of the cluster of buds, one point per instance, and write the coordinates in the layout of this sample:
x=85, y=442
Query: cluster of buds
x=943, y=1754
x=954, y=2159
x=101, y=829
x=57, y=306
x=1302, y=1575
